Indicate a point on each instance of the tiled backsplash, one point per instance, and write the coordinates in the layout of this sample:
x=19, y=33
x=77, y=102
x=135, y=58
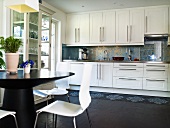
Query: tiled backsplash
x=140, y=52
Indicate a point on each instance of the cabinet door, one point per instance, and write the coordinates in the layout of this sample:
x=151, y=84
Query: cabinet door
x=109, y=28
x=76, y=68
x=156, y=20
x=122, y=26
x=95, y=75
x=95, y=27
x=136, y=26
x=105, y=74
x=83, y=29
x=71, y=32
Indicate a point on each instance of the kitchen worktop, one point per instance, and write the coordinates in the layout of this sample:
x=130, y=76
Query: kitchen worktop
x=113, y=61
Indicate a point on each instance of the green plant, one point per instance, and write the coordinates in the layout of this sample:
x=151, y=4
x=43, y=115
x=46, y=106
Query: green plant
x=2, y=62
x=10, y=44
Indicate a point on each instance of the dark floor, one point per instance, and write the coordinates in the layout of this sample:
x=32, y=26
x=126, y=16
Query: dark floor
x=117, y=111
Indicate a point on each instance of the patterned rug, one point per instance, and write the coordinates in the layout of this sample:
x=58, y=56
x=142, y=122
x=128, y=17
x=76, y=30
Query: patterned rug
x=126, y=97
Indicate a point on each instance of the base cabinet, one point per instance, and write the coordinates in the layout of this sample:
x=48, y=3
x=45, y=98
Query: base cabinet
x=102, y=75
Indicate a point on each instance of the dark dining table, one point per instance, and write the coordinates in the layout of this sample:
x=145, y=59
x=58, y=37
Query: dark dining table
x=18, y=93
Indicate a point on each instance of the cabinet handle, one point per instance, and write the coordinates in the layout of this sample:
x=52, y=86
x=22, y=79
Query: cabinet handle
x=154, y=80
x=146, y=24
x=100, y=34
x=130, y=33
x=127, y=33
x=127, y=69
x=155, y=70
x=78, y=34
x=103, y=33
x=155, y=65
x=100, y=71
x=97, y=71
x=126, y=65
x=126, y=79
x=75, y=36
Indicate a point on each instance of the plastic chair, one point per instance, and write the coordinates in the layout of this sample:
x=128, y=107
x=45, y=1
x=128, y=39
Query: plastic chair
x=4, y=113
x=61, y=85
x=69, y=109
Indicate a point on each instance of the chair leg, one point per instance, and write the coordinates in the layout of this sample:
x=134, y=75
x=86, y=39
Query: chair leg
x=36, y=119
x=89, y=118
x=55, y=121
x=68, y=97
x=74, y=122
x=15, y=121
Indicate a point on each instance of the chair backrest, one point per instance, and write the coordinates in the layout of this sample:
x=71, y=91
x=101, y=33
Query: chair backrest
x=84, y=94
x=62, y=83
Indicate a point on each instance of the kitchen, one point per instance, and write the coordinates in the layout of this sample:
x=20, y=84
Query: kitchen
x=96, y=52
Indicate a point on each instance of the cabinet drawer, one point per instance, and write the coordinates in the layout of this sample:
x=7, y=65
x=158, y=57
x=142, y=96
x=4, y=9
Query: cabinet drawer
x=127, y=82
x=146, y=65
x=133, y=72
x=155, y=84
x=128, y=65
x=156, y=72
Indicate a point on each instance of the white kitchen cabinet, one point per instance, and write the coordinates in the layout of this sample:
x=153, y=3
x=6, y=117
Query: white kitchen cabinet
x=156, y=20
x=127, y=82
x=169, y=27
x=155, y=77
x=128, y=75
x=102, y=27
x=76, y=68
x=77, y=29
x=102, y=75
x=130, y=26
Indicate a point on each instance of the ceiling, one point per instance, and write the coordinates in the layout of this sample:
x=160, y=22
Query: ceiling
x=71, y=6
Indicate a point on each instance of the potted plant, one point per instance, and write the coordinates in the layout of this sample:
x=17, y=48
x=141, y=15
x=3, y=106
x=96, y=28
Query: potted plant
x=11, y=46
x=2, y=62
x=27, y=65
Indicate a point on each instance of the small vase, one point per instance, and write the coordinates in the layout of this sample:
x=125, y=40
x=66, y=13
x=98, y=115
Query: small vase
x=27, y=69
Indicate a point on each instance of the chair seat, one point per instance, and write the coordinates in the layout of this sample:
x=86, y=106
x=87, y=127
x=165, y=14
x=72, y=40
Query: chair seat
x=4, y=113
x=54, y=91
x=63, y=108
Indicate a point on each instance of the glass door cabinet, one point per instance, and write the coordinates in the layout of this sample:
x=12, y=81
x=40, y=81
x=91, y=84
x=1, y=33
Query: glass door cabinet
x=34, y=29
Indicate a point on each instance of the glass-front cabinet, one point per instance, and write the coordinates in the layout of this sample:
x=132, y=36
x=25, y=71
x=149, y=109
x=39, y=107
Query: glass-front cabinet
x=45, y=40
x=34, y=29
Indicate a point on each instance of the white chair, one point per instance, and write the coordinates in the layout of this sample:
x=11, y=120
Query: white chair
x=61, y=85
x=4, y=113
x=69, y=109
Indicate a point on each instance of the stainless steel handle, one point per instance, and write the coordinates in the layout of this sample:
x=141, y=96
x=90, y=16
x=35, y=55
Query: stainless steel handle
x=127, y=34
x=78, y=35
x=75, y=35
x=97, y=71
x=127, y=69
x=155, y=65
x=155, y=70
x=146, y=24
x=130, y=33
x=154, y=80
x=126, y=79
x=100, y=71
x=126, y=65
x=103, y=33
x=100, y=35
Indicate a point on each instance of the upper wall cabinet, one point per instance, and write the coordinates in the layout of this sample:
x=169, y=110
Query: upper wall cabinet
x=102, y=27
x=77, y=29
x=156, y=20
x=130, y=26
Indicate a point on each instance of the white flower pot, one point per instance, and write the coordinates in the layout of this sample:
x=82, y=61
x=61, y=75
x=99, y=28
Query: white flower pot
x=12, y=60
x=27, y=69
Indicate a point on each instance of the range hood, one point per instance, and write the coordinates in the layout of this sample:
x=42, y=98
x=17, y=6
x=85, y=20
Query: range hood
x=156, y=37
